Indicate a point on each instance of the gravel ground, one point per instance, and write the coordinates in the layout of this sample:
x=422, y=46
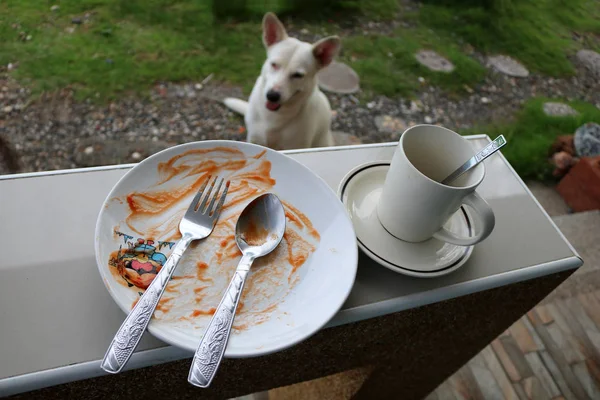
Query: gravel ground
x=55, y=132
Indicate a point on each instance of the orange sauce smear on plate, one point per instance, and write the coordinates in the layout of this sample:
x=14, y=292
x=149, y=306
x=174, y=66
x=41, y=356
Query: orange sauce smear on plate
x=208, y=265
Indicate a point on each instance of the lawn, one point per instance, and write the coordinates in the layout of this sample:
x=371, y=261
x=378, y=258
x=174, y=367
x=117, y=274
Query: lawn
x=104, y=48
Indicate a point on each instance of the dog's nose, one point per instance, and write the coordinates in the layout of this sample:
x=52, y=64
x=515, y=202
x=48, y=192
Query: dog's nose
x=273, y=96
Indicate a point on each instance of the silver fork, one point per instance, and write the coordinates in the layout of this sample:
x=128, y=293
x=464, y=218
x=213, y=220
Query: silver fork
x=197, y=223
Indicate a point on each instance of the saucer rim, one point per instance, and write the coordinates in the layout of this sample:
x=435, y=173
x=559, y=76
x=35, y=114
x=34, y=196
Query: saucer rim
x=388, y=264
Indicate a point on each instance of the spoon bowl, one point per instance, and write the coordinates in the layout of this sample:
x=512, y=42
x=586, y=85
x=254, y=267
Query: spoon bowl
x=261, y=226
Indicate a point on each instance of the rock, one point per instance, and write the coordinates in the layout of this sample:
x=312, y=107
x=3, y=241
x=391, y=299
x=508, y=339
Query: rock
x=508, y=66
x=591, y=60
x=485, y=100
x=344, y=139
x=28, y=38
x=434, y=61
x=88, y=150
x=7, y=109
x=198, y=86
x=339, y=78
x=136, y=156
x=428, y=119
x=388, y=124
x=70, y=29
x=54, y=8
x=587, y=140
x=416, y=106
x=421, y=79
x=554, y=109
x=371, y=105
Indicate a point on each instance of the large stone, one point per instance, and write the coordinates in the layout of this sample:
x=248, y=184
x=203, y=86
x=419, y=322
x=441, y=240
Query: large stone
x=591, y=60
x=338, y=78
x=587, y=140
x=508, y=66
x=434, y=61
x=389, y=124
x=554, y=109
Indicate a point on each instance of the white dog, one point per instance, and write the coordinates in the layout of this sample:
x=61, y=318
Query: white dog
x=286, y=109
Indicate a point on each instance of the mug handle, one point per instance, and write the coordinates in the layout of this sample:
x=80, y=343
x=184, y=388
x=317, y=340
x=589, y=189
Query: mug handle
x=486, y=216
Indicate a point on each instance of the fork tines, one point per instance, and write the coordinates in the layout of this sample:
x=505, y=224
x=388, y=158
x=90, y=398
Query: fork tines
x=201, y=207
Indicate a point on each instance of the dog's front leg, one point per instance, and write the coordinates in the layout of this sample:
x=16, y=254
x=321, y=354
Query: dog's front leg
x=323, y=139
x=255, y=138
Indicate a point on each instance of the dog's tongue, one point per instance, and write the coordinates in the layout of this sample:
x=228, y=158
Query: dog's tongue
x=273, y=106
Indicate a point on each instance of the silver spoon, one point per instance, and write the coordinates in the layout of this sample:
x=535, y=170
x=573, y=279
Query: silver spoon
x=487, y=151
x=258, y=232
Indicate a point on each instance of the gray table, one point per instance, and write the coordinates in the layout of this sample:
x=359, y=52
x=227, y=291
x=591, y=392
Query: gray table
x=56, y=318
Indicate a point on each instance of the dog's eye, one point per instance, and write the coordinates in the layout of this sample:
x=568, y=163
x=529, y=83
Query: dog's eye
x=274, y=65
x=297, y=75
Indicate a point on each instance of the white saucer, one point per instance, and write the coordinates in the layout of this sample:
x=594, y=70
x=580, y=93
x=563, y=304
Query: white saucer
x=360, y=190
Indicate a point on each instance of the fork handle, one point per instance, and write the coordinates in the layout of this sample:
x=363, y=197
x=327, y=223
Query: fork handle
x=129, y=334
x=210, y=351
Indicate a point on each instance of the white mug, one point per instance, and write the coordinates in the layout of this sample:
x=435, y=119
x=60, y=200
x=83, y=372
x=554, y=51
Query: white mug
x=414, y=205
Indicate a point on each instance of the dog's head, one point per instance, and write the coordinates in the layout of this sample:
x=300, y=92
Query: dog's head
x=291, y=65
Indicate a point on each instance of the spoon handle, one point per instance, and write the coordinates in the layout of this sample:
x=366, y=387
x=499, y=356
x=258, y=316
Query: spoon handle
x=210, y=351
x=487, y=151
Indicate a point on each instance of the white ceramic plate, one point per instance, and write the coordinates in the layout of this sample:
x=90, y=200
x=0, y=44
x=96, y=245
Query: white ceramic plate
x=287, y=298
x=360, y=191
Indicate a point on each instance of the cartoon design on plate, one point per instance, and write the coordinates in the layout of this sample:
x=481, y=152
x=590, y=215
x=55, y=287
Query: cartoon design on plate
x=140, y=262
x=208, y=265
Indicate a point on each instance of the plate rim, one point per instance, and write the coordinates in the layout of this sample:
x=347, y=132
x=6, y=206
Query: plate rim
x=157, y=331
x=379, y=260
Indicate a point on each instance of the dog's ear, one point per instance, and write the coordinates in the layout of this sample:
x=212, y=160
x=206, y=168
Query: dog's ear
x=273, y=30
x=326, y=49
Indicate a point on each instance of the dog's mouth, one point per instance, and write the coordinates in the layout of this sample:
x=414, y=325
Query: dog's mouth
x=272, y=106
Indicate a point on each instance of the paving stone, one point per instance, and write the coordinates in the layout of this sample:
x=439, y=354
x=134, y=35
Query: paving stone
x=508, y=66
x=591, y=60
x=554, y=109
x=339, y=78
x=434, y=61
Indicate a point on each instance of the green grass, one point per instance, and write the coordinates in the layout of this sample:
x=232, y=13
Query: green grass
x=532, y=133
x=127, y=45
x=130, y=44
x=536, y=32
x=387, y=64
